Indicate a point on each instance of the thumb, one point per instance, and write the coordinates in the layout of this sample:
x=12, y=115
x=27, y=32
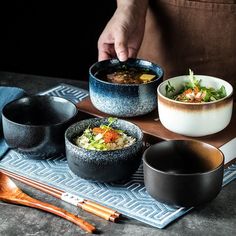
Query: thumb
x=121, y=47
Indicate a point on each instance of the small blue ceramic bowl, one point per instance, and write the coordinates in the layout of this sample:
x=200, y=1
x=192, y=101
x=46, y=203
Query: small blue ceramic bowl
x=103, y=166
x=124, y=100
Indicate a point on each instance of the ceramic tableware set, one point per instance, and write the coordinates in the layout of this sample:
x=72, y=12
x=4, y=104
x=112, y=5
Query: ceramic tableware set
x=180, y=172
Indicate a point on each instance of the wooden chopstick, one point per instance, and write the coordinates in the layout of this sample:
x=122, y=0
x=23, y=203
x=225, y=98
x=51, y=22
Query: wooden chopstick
x=13, y=194
x=87, y=205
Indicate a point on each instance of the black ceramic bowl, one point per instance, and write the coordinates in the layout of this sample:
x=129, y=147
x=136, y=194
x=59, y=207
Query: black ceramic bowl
x=103, y=166
x=124, y=100
x=36, y=124
x=183, y=172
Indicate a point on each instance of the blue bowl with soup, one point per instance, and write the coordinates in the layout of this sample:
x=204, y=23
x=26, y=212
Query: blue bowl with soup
x=124, y=89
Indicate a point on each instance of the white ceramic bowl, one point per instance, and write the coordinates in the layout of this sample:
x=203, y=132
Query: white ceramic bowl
x=195, y=119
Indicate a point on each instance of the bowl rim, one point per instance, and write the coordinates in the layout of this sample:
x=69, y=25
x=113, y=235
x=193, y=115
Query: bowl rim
x=195, y=103
x=51, y=97
x=184, y=174
x=102, y=151
x=131, y=60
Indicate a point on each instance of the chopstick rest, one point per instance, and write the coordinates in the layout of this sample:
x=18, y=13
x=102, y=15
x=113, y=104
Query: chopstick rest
x=89, y=206
x=9, y=192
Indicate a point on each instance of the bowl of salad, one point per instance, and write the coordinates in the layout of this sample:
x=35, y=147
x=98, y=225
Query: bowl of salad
x=104, y=149
x=195, y=105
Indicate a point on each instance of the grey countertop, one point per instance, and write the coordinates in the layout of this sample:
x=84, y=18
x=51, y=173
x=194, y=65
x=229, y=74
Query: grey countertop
x=216, y=218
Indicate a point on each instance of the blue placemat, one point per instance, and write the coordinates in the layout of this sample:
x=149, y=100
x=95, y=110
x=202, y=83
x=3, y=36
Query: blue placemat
x=130, y=197
x=7, y=94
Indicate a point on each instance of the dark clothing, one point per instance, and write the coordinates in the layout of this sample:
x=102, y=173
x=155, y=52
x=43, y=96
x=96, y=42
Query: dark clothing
x=199, y=35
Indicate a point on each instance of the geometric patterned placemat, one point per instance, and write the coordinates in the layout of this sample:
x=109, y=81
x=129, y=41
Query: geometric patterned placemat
x=129, y=197
x=70, y=92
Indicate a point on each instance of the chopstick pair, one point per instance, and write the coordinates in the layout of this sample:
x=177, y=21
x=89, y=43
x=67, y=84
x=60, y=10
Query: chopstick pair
x=87, y=205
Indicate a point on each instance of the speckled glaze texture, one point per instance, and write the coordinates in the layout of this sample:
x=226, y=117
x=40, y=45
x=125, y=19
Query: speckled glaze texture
x=195, y=119
x=124, y=100
x=103, y=166
x=36, y=124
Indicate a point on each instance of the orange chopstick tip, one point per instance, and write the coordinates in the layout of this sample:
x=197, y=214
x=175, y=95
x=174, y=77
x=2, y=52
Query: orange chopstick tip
x=114, y=218
x=90, y=229
x=117, y=214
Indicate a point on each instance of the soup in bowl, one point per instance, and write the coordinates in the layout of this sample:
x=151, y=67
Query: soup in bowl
x=124, y=89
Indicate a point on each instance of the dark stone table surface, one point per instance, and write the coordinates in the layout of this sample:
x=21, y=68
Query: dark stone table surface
x=216, y=218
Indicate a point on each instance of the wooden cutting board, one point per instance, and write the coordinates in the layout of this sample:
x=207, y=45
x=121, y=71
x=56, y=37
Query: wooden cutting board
x=152, y=126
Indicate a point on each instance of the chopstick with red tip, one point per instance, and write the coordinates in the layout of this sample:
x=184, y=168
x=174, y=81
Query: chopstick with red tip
x=87, y=205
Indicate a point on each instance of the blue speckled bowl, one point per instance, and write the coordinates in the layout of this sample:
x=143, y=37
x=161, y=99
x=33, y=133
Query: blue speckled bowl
x=103, y=166
x=124, y=100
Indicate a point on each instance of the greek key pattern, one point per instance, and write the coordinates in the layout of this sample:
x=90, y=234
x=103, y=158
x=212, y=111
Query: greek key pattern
x=70, y=92
x=128, y=197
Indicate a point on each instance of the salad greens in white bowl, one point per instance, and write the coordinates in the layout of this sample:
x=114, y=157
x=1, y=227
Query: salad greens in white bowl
x=195, y=105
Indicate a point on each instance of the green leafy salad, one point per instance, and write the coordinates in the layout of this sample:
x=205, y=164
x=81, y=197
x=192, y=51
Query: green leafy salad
x=193, y=92
x=104, y=138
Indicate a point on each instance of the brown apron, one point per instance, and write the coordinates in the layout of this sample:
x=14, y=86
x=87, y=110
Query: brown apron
x=200, y=35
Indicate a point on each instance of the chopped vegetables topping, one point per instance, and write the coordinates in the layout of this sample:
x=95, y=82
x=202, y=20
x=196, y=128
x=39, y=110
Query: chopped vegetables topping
x=195, y=93
x=169, y=88
x=104, y=138
x=109, y=135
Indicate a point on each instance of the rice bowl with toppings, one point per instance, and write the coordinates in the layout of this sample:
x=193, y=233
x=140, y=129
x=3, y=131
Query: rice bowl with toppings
x=104, y=138
x=104, y=149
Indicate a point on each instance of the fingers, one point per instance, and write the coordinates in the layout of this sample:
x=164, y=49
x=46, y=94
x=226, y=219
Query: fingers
x=121, y=46
x=106, y=51
x=122, y=53
x=103, y=55
x=118, y=47
x=109, y=52
x=133, y=52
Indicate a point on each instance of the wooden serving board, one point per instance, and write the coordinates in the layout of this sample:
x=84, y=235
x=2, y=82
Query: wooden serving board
x=151, y=125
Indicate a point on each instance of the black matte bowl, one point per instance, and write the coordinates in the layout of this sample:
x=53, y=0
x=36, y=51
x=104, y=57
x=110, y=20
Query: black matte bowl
x=36, y=124
x=103, y=166
x=183, y=173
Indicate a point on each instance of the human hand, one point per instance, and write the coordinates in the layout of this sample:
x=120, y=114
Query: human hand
x=123, y=34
